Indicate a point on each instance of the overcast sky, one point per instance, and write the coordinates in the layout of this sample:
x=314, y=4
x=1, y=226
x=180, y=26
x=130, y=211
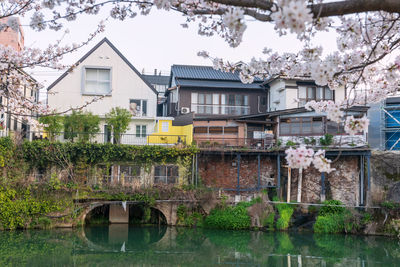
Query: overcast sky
x=157, y=41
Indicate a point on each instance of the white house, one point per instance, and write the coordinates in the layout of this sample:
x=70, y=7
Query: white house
x=284, y=93
x=104, y=71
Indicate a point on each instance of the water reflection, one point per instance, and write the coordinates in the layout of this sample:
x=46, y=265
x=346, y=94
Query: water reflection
x=122, y=245
x=115, y=236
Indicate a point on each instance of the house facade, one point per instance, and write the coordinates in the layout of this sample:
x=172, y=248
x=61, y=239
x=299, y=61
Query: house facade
x=9, y=122
x=210, y=93
x=160, y=83
x=215, y=100
x=284, y=93
x=104, y=72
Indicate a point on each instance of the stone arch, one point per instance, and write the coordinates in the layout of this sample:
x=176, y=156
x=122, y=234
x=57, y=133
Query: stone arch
x=169, y=210
x=87, y=210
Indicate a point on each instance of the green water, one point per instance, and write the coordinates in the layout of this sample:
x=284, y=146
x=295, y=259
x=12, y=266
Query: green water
x=123, y=245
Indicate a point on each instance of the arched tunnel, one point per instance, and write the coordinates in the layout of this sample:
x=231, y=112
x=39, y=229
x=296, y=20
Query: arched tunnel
x=133, y=214
x=103, y=235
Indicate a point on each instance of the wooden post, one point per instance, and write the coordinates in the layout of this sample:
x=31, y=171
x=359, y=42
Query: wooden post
x=368, y=180
x=299, y=184
x=361, y=180
x=322, y=186
x=258, y=172
x=238, y=175
x=278, y=167
x=289, y=184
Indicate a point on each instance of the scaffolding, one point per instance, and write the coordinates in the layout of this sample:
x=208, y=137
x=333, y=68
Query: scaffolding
x=390, y=120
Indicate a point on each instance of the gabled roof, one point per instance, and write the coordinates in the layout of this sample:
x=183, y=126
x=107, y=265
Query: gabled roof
x=105, y=40
x=304, y=78
x=194, y=72
x=156, y=79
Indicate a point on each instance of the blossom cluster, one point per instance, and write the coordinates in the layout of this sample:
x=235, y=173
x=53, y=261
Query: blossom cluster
x=293, y=15
x=302, y=157
x=353, y=126
x=332, y=109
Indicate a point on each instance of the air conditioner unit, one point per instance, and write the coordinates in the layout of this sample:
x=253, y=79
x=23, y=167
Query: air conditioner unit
x=185, y=110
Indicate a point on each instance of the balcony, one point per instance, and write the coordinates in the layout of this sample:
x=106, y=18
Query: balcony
x=102, y=138
x=220, y=109
x=234, y=143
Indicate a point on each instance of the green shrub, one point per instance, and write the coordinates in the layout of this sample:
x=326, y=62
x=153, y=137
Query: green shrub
x=331, y=208
x=326, y=140
x=269, y=221
x=53, y=125
x=331, y=223
x=389, y=205
x=285, y=214
x=291, y=144
x=19, y=208
x=334, y=219
x=119, y=119
x=234, y=218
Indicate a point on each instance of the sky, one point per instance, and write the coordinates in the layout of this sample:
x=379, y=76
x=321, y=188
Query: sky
x=157, y=41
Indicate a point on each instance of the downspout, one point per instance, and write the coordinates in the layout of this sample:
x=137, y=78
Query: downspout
x=177, y=101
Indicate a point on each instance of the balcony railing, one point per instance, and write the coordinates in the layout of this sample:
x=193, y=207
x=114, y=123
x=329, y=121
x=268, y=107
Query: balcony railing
x=102, y=138
x=223, y=143
x=220, y=109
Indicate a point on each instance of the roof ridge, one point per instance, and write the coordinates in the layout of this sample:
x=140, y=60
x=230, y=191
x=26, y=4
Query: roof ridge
x=104, y=40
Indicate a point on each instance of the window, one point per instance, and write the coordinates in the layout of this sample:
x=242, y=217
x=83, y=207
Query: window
x=230, y=130
x=307, y=94
x=107, y=134
x=129, y=172
x=220, y=104
x=167, y=174
x=164, y=126
x=161, y=88
x=301, y=126
x=15, y=124
x=200, y=130
x=141, y=131
x=215, y=130
x=138, y=107
x=263, y=101
x=97, y=81
x=334, y=128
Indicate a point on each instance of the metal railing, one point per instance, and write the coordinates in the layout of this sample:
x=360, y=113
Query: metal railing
x=102, y=138
x=251, y=143
x=220, y=109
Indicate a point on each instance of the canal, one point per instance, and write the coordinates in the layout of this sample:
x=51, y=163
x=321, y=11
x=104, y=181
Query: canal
x=127, y=245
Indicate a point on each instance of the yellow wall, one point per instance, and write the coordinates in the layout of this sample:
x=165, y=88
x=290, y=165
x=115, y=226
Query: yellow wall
x=172, y=136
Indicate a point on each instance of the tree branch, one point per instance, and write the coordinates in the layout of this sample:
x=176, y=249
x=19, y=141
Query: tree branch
x=331, y=9
x=339, y=8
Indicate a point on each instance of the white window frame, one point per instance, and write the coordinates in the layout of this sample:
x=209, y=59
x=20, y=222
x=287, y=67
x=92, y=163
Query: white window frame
x=165, y=126
x=83, y=91
x=141, y=107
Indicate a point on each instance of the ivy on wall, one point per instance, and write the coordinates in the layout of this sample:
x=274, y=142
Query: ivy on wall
x=43, y=153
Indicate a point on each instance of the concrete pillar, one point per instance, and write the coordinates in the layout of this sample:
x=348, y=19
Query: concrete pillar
x=118, y=214
x=118, y=234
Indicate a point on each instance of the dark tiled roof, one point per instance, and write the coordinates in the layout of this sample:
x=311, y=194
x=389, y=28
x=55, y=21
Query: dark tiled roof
x=218, y=84
x=203, y=73
x=157, y=79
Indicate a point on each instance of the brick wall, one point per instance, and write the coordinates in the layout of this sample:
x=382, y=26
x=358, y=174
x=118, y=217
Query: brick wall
x=341, y=184
x=9, y=37
x=220, y=171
